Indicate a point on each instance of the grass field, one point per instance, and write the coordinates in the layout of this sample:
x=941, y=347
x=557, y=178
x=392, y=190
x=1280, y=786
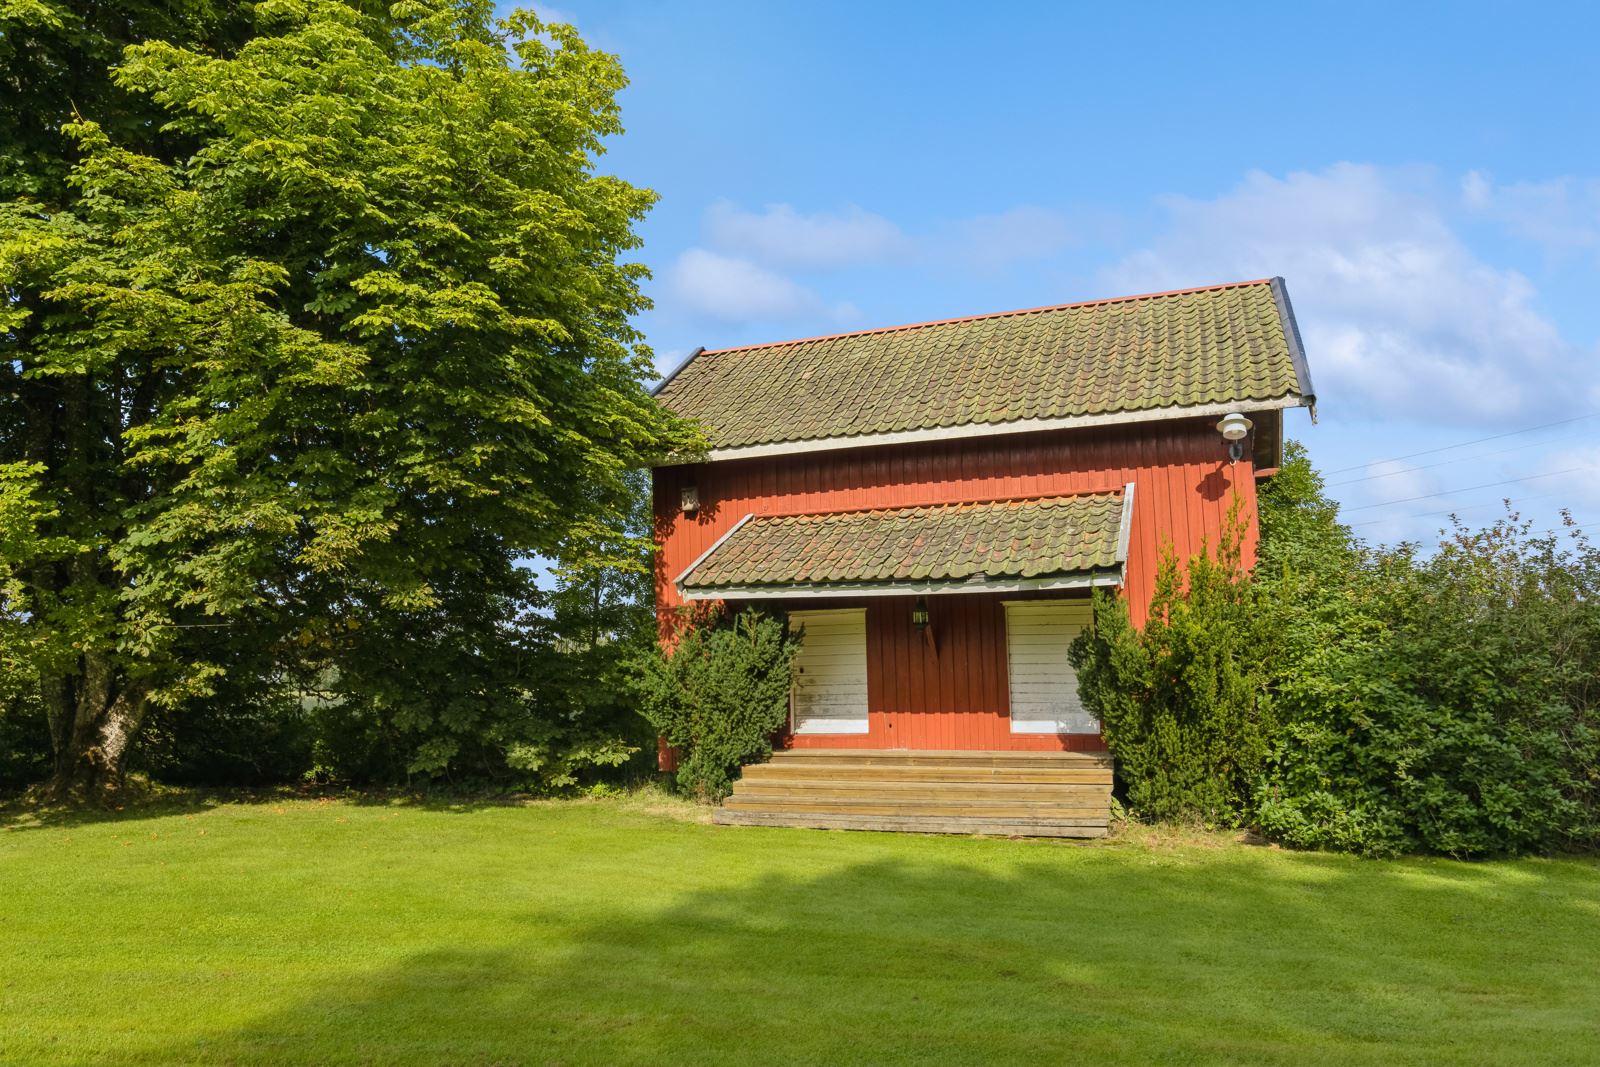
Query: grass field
x=629, y=932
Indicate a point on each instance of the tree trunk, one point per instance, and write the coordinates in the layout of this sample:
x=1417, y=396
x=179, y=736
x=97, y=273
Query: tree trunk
x=93, y=723
x=94, y=712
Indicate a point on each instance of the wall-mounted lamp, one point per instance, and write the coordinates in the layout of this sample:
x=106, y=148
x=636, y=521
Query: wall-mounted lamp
x=1234, y=428
x=689, y=499
x=919, y=614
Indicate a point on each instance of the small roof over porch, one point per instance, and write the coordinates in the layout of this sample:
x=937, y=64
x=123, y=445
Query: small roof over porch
x=1042, y=542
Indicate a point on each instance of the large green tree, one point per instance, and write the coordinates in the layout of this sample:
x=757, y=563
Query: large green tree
x=56, y=64
x=315, y=354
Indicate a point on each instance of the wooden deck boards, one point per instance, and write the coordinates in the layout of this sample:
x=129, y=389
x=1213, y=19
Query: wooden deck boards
x=1037, y=794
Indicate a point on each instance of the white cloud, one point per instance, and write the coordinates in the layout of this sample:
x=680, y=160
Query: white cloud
x=1579, y=490
x=780, y=236
x=1391, y=480
x=989, y=242
x=548, y=15
x=746, y=272
x=1399, y=316
x=784, y=237
x=1560, y=213
x=735, y=290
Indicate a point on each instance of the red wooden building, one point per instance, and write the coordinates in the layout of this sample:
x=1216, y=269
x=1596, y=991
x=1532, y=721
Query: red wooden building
x=934, y=504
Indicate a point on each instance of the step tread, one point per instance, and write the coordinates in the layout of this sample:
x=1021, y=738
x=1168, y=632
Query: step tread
x=917, y=763
x=870, y=806
x=819, y=771
x=955, y=755
x=1041, y=790
x=1014, y=793
x=781, y=759
x=915, y=824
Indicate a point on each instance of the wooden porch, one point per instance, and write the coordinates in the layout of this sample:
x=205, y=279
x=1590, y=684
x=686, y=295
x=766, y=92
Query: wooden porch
x=1021, y=794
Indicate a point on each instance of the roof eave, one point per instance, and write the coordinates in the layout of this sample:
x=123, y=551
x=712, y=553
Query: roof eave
x=702, y=557
x=1297, y=349
x=996, y=429
x=655, y=390
x=814, y=590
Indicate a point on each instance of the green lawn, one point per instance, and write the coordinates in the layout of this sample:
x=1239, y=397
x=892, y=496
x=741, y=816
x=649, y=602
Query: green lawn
x=610, y=933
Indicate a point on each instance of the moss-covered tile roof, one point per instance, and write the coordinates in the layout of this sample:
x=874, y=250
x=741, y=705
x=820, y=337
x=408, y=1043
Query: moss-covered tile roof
x=1040, y=537
x=1229, y=344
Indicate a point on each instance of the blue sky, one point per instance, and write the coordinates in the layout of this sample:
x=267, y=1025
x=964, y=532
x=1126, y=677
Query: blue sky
x=1428, y=182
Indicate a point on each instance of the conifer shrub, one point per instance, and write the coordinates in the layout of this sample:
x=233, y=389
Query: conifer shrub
x=1183, y=704
x=719, y=694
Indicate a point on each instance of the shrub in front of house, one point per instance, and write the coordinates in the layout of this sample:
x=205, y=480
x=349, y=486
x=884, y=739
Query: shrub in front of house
x=1183, y=704
x=1358, y=699
x=719, y=695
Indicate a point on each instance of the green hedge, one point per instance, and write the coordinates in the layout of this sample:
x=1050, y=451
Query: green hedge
x=1363, y=699
x=1452, y=709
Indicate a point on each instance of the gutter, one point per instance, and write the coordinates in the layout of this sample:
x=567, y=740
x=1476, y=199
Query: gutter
x=1086, y=580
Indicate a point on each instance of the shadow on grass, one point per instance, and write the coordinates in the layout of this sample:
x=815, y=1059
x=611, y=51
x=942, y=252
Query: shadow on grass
x=158, y=802
x=1103, y=956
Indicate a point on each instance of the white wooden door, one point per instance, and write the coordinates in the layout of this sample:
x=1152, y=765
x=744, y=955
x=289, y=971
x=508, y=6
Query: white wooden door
x=830, y=687
x=1044, y=687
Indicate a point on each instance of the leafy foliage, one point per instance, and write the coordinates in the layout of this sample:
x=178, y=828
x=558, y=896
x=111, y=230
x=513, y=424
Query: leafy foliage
x=531, y=689
x=719, y=695
x=1183, y=704
x=248, y=732
x=1454, y=708
x=24, y=740
x=305, y=393
x=58, y=57
x=25, y=754
x=1359, y=699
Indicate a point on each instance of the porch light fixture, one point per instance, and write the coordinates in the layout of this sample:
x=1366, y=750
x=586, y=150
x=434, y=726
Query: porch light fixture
x=919, y=614
x=689, y=499
x=1234, y=428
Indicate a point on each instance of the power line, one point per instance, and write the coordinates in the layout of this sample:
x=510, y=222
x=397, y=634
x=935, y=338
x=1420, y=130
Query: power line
x=1515, y=502
x=1464, y=444
x=1588, y=525
x=1431, y=466
x=1453, y=511
x=1469, y=488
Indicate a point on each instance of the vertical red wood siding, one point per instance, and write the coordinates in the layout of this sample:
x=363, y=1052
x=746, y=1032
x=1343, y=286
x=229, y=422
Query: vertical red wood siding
x=955, y=696
x=944, y=690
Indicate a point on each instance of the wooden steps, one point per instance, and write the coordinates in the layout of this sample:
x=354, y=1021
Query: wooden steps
x=1031, y=794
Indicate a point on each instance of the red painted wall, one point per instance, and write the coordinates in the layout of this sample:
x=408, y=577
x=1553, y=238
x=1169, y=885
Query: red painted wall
x=1183, y=484
x=946, y=690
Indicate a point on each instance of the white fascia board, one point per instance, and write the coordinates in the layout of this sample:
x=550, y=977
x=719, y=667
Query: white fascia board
x=1125, y=526
x=996, y=429
x=701, y=558
x=813, y=591
x=1082, y=723
x=655, y=390
x=1297, y=348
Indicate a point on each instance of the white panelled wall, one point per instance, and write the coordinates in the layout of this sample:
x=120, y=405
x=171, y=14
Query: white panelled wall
x=830, y=688
x=1044, y=687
